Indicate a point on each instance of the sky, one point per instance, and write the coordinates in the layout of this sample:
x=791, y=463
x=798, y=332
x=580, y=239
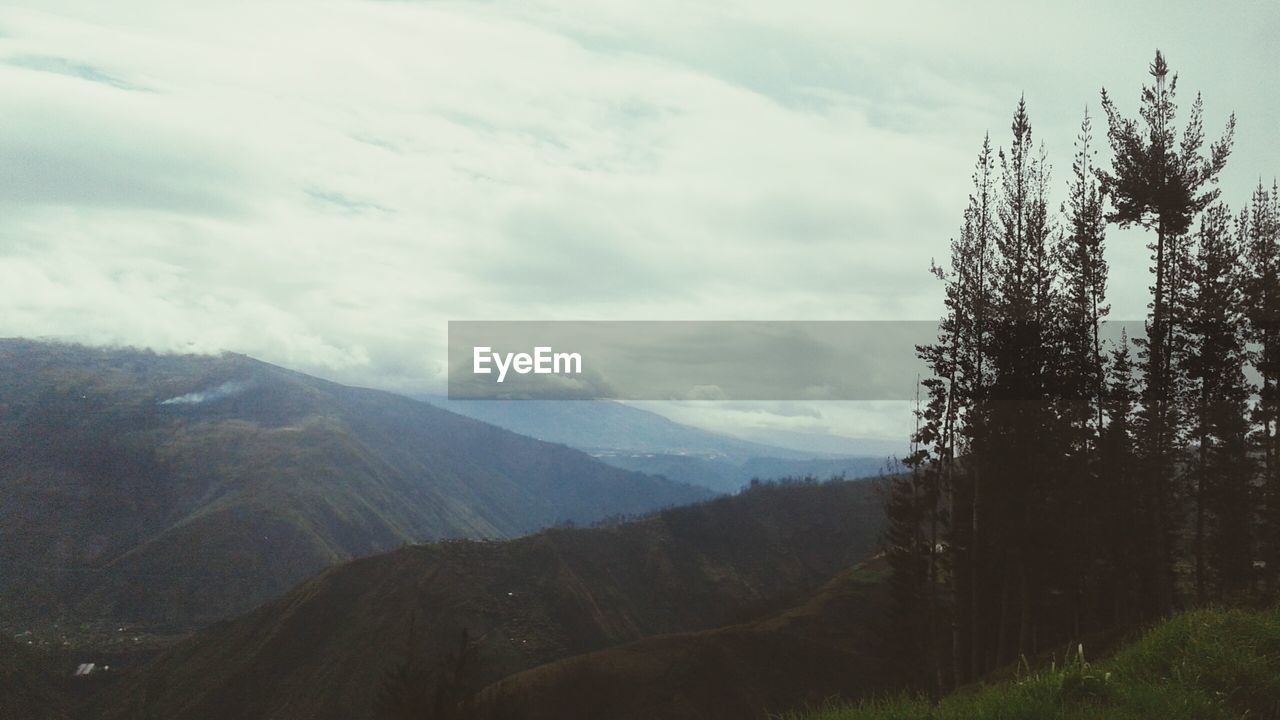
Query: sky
x=324, y=185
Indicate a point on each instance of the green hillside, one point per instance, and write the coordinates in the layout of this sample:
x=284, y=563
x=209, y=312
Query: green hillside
x=1202, y=665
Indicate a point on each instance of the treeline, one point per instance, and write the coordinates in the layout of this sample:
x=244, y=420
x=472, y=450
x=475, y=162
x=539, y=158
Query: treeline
x=1062, y=483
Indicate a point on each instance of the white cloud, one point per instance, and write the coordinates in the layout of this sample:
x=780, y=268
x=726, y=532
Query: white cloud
x=325, y=184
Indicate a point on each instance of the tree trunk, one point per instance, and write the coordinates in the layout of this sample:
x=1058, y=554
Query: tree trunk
x=1002, y=637
x=975, y=577
x=1200, y=478
x=1024, y=614
x=1158, y=362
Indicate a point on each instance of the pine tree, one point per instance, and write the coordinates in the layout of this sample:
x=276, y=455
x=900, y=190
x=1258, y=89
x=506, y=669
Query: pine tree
x=906, y=552
x=1022, y=462
x=1084, y=274
x=912, y=539
x=1222, y=476
x=1161, y=182
x=1047, y=483
x=1030, y=440
x=973, y=258
x=1259, y=236
x=1119, y=488
x=1079, y=384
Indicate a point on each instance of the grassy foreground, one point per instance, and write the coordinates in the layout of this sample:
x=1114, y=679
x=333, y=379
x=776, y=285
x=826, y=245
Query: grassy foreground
x=1204, y=664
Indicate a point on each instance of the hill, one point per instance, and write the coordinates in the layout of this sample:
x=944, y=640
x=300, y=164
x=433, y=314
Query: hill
x=324, y=649
x=1202, y=665
x=175, y=490
x=827, y=646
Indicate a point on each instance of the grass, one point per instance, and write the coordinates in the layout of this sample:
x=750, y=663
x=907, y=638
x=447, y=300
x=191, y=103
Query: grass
x=1201, y=665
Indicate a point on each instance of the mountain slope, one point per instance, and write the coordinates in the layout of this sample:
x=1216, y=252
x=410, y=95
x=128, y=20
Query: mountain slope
x=825, y=647
x=29, y=687
x=179, y=489
x=323, y=650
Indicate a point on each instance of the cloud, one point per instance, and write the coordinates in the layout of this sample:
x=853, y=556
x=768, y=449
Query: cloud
x=324, y=185
x=889, y=421
x=71, y=143
x=63, y=66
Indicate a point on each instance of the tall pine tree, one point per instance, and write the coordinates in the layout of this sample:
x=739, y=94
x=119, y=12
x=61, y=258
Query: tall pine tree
x=1079, y=386
x=1222, y=472
x=1259, y=236
x=1161, y=182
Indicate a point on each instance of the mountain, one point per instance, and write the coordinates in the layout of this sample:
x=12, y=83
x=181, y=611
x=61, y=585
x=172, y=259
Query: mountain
x=643, y=441
x=726, y=476
x=826, y=647
x=596, y=425
x=175, y=490
x=811, y=444
x=326, y=649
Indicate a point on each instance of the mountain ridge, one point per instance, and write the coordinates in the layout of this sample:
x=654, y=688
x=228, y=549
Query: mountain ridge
x=644, y=441
x=182, y=489
x=607, y=425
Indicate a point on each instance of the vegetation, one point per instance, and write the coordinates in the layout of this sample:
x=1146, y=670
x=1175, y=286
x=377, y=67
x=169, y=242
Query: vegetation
x=413, y=692
x=1200, y=665
x=826, y=645
x=1059, y=484
x=364, y=634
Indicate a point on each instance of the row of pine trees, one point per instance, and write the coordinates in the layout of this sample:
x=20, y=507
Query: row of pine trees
x=1062, y=481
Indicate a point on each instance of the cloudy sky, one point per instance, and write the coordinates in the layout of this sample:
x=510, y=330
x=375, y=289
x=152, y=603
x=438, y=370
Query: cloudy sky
x=325, y=184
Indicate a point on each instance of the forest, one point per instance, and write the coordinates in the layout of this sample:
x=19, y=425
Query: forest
x=1063, y=483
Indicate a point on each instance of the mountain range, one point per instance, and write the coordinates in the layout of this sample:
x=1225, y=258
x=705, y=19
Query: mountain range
x=605, y=425
x=222, y=537
x=175, y=490
x=636, y=439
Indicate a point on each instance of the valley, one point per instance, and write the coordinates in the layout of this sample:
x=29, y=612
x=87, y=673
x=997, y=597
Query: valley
x=324, y=649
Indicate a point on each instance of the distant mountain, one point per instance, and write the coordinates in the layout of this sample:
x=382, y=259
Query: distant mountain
x=596, y=425
x=328, y=648
x=636, y=439
x=727, y=476
x=821, y=444
x=181, y=489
